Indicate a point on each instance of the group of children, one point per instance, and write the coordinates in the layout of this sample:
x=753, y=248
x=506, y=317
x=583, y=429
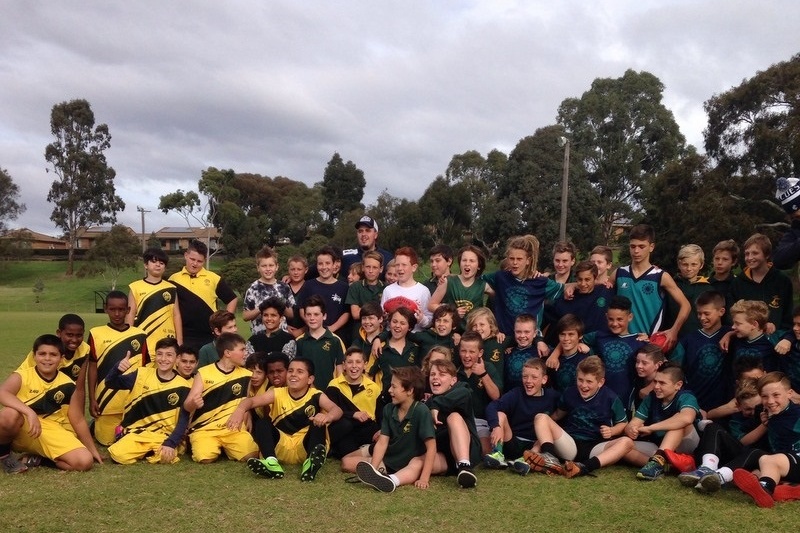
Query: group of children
x=402, y=380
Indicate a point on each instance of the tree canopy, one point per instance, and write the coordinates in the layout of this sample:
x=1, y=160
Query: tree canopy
x=342, y=188
x=10, y=206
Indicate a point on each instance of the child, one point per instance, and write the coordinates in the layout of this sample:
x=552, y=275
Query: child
x=406, y=290
x=789, y=349
x=295, y=431
x=154, y=301
x=663, y=422
x=589, y=301
x=700, y=355
x=319, y=344
x=266, y=286
x=356, y=395
x=484, y=382
x=442, y=333
x=590, y=416
x=749, y=333
x=354, y=273
x=523, y=349
x=569, y=330
x=405, y=450
x=563, y=261
x=70, y=330
x=457, y=443
x=398, y=351
x=511, y=415
x=603, y=258
x=272, y=338
x=218, y=389
x=256, y=363
x=332, y=292
x=186, y=365
x=368, y=289
x=649, y=359
x=466, y=290
x=761, y=281
x=277, y=369
x=783, y=432
x=297, y=268
x=441, y=260
x=108, y=345
x=37, y=417
x=371, y=321
x=151, y=428
x=391, y=272
x=645, y=286
x=482, y=321
x=690, y=262
x=725, y=256
x=220, y=322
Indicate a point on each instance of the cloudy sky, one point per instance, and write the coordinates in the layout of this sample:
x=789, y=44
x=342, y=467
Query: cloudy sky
x=276, y=87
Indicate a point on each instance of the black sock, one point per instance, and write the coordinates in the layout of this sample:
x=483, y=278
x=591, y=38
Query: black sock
x=768, y=483
x=548, y=447
x=593, y=464
x=5, y=449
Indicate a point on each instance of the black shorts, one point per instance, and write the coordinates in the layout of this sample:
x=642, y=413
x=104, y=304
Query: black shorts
x=443, y=447
x=793, y=476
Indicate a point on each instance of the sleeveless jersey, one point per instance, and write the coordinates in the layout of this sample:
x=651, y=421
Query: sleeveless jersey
x=646, y=295
x=155, y=304
x=222, y=393
x=153, y=404
x=108, y=347
x=69, y=367
x=48, y=398
x=292, y=416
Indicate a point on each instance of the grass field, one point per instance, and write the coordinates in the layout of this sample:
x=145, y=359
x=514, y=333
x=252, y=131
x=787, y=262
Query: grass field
x=226, y=497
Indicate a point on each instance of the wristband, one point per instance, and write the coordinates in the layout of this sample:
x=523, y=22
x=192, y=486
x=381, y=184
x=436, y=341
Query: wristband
x=481, y=376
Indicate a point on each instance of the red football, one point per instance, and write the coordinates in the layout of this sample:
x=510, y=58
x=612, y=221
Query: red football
x=392, y=304
x=660, y=340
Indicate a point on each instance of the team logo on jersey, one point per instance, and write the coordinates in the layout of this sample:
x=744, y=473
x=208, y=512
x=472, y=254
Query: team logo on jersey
x=75, y=370
x=336, y=298
x=407, y=427
x=135, y=345
x=173, y=398
x=167, y=296
x=495, y=357
x=648, y=289
x=411, y=358
x=310, y=411
x=601, y=302
x=776, y=302
x=236, y=389
x=207, y=282
x=624, y=285
x=58, y=397
x=326, y=346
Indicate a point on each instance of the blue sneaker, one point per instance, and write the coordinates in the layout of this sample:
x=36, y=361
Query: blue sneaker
x=520, y=466
x=692, y=478
x=653, y=470
x=710, y=483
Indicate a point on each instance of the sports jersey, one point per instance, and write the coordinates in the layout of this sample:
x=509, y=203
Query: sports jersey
x=646, y=296
x=783, y=430
x=493, y=354
x=326, y=352
x=69, y=366
x=513, y=362
x=585, y=416
x=197, y=298
x=567, y=373
x=618, y=353
x=653, y=410
x=362, y=292
x=761, y=347
x=391, y=358
x=458, y=400
x=333, y=294
x=691, y=290
x=480, y=398
x=155, y=305
x=775, y=290
x=703, y=361
x=276, y=341
x=514, y=297
x=109, y=346
x=521, y=409
x=222, y=393
x=259, y=291
x=49, y=398
x=461, y=296
x=789, y=364
x=407, y=436
x=590, y=308
x=354, y=398
x=428, y=338
x=207, y=354
x=293, y=415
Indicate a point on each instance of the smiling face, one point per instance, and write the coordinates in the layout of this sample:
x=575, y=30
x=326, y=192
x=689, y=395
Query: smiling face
x=267, y=269
x=165, y=359
x=533, y=379
x=775, y=397
x=645, y=367
x=469, y=264
x=325, y=267
x=258, y=378
x=72, y=337
x=354, y=367
x=588, y=384
x=483, y=327
x=371, y=324
x=443, y=325
x=398, y=326
x=314, y=317
x=470, y=352
x=618, y=320
x=298, y=380
x=398, y=394
x=710, y=316
x=194, y=261
x=391, y=274
x=563, y=263
x=690, y=267
x=569, y=340
x=271, y=319
x=47, y=359
x=585, y=281
x=518, y=261
x=524, y=333
x=440, y=381
x=743, y=328
x=664, y=388
x=754, y=258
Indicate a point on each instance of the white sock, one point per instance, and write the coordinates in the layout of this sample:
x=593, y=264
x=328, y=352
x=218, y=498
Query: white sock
x=463, y=461
x=726, y=474
x=710, y=460
x=394, y=480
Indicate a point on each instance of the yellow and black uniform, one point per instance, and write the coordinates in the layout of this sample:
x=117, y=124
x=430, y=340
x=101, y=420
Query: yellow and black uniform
x=151, y=413
x=292, y=434
x=222, y=393
x=197, y=299
x=109, y=346
x=348, y=434
x=49, y=399
x=326, y=352
x=155, y=305
x=70, y=366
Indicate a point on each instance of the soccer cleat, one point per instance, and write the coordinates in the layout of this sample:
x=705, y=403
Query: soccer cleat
x=749, y=484
x=693, y=477
x=709, y=483
x=544, y=462
x=653, y=470
x=785, y=492
x=31, y=460
x=520, y=466
x=495, y=460
x=269, y=467
x=370, y=475
x=466, y=478
x=12, y=465
x=575, y=469
x=683, y=462
x=313, y=463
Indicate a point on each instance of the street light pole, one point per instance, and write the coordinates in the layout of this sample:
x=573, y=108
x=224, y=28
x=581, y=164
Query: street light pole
x=142, y=210
x=562, y=228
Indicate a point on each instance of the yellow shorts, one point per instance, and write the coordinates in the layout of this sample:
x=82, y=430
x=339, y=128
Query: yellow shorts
x=207, y=444
x=104, y=428
x=53, y=442
x=289, y=448
x=135, y=446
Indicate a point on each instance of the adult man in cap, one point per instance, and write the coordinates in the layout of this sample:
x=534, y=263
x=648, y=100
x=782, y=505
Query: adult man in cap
x=787, y=252
x=367, y=235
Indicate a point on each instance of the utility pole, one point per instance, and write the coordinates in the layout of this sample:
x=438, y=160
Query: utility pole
x=562, y=228
x=142, y=210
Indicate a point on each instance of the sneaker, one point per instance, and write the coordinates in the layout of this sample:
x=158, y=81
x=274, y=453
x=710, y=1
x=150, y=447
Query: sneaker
x=786, y=493
x=651, y=471
x=519, y=466
x=709, y=483
x=683, y=462
x=466, y=478
x=313, y=463
x=544, y=462
x=31, y=460
x=693, y=477
x=12, y=465
x=495, y=460
x=370, y=475
x=269, y=467
x=749, y=484
x=574, y=469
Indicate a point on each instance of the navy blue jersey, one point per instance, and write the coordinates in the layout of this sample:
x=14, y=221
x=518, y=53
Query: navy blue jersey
x=520, y=409
x=783, y=430
x=567, y=372
x=618, y=353
x=703, y=361
x=513, y=361
x=585, y=416
x=590, y=308
x=514, y=297
x=789, y=364
x=762, y=347
x=653, y=410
